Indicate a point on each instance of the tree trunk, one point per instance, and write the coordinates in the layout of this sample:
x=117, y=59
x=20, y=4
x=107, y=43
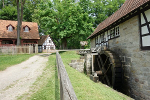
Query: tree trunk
x=18, y=25
x=3, y=4
x=20, y=18
x=64, y=43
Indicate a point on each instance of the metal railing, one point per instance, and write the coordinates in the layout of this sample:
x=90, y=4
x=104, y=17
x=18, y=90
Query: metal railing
x=66, y=89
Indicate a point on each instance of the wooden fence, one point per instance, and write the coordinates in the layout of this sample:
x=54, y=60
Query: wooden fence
x=16, y=49
x=66, y=89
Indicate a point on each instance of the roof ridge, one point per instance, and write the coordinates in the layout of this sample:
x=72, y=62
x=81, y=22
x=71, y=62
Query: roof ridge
x=126, y=8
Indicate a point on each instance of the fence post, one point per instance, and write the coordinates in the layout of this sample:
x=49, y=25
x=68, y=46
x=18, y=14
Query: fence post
x=36, y=48
x=66, y=89
x=29, y=49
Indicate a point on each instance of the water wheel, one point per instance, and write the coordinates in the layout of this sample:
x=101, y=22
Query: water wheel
x=109, y=69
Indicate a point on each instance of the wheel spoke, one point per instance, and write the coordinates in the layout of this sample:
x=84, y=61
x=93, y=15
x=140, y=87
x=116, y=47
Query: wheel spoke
x=105, y=61
x=100, y=67
x=101, y=60
x=107, y=80
x=105, y=75
x=107, y=69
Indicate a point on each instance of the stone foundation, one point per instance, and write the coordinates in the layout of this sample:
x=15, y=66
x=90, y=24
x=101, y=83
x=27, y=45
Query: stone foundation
x=83, y=65
x=78, y=65
x=88, y=64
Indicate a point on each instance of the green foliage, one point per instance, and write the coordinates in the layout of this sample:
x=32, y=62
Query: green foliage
x=65, y=21
x=9, y=60
x=8, y=13
x=6, y=3
x=29, y=8
x=68, y=22
x=101, y=9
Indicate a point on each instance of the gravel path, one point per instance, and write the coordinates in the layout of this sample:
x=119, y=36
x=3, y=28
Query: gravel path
x=16, y=80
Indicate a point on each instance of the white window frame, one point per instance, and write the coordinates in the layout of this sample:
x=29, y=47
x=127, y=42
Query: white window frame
x=26, y=29
x=10, y=28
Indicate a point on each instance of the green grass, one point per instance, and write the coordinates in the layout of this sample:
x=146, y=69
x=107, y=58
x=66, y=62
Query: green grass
x=47, y=85
x=86, y=89
x=9, y=60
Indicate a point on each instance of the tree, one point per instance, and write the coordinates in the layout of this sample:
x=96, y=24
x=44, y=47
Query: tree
x=101, y=9
x=3, y=4
x=19, y=18
x=29, y=9
x=8, y=13
x=112, y=6
x=65, y=21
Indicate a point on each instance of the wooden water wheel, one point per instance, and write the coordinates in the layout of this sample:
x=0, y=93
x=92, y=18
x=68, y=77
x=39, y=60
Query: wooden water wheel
x=109, y=69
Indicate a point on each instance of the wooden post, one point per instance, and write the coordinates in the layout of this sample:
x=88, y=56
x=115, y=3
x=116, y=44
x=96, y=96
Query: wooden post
x=0, y=42
x=13, y=42
x=66, y=89
x=36, y=48
x=29, y=49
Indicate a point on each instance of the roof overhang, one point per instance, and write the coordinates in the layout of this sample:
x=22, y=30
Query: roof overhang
x=102, y=27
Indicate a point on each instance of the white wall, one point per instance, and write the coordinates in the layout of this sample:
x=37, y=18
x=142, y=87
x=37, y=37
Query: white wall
x=92, y=43
x=48, y=44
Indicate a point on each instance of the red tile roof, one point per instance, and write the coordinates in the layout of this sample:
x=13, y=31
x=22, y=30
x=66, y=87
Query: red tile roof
x=32, y=34
x=42, y=39
x=125, y=9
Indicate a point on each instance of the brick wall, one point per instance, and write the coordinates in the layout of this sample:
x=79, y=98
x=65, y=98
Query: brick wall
x=135, y=62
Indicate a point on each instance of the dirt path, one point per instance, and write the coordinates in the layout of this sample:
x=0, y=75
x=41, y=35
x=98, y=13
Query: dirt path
x=16, y=80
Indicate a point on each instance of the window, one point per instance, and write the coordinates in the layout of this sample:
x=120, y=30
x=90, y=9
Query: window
x=117, y=31
x=113, y=33
x=10, y=28
x=49, y=41
x=44, y=47
x=103, y=39
x=26, y=29
x=145, y=30
x=96, y=40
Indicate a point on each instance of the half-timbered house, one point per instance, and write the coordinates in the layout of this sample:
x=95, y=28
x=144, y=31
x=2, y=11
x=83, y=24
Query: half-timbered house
x=46, y=44
x=126, y=34
x=29, y=34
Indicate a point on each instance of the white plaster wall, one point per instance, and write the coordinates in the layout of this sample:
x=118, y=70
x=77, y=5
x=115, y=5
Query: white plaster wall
x=92, y=43
x=147, y=13
x=48, y=45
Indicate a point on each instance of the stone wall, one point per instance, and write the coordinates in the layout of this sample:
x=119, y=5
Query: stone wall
x=135, y=62
x=78, y=65
x=83, y=65
x=88, y=63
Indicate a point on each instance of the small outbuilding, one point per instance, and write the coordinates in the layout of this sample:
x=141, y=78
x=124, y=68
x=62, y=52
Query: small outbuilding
x=45, y=44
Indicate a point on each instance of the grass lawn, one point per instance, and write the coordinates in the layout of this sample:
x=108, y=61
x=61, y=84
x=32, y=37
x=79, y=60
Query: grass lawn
x=86, y=89
x=47, y=86
x=9, y=60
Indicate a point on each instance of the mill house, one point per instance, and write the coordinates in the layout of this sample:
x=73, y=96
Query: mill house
x=120, y=50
